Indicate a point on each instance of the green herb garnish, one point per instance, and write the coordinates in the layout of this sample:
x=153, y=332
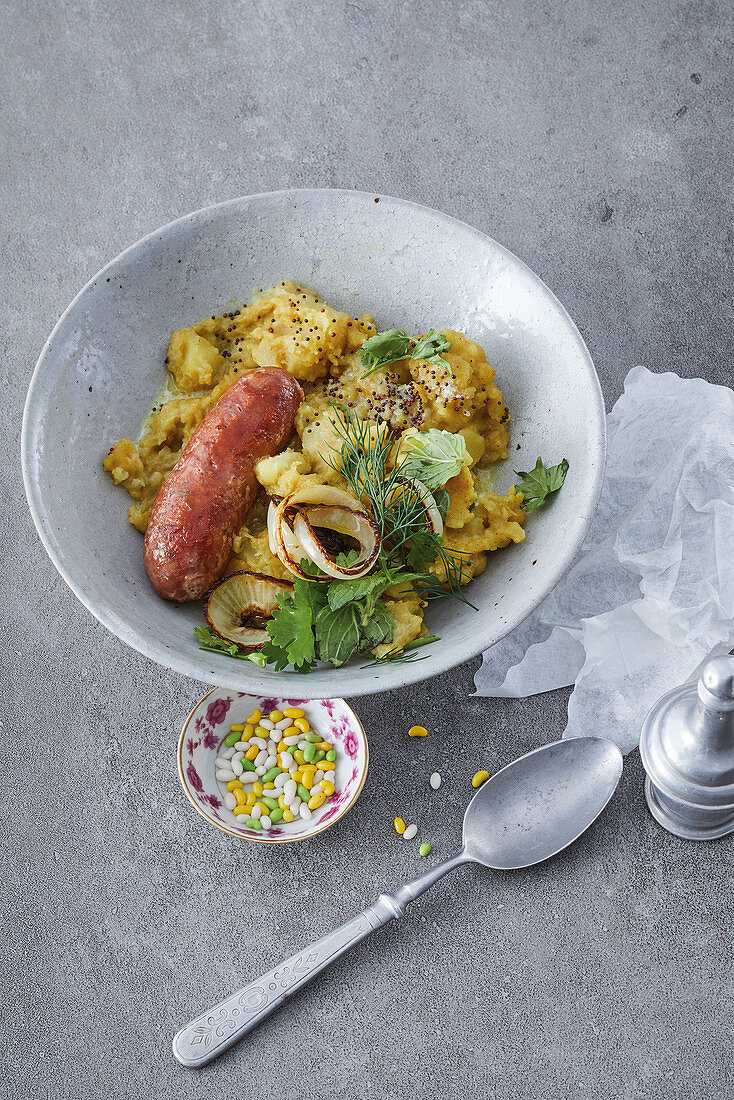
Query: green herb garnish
x=395, y=344
x=434, y=457
x=402, y=656
x=212, y=642
x=538, y=484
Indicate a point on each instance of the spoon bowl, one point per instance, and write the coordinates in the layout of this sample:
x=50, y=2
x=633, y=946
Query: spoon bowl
x=536, y=806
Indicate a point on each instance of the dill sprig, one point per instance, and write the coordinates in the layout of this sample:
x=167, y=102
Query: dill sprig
x=364, y=461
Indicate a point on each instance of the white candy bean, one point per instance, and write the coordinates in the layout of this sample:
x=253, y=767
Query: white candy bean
x=265, y=821
x=248, y=777
x=303, y=744
x=272, y=747
x=261, y=758
x=435, y=781
x=222, y=762
x=226, y=775
x=284, y=723
x=292, y=740
x=304, y=812
x=282, y=779
x=318, y=776
x=286, y=760
x=228, y=754
x=410, y=832
x=255, y=812
x=260, y=771
x=271, y=761
x=259, y=741
x=237, y=766
x=295, y=805
x=266, y=724
x=241, y=746
x=230, y=801
x=293, y=768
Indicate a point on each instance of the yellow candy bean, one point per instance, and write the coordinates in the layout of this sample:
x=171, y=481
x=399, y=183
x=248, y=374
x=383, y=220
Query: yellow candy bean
x=263, y=808
x=239, y=797
x=234, y=785
x=328, y=787
x=290, y=731
x=269, y=786
x=327, y=765
x=323, y=745
x=282, y=747
x=301, y=724
x=316, y=800
x=250, y=799
x=247, y=733
x=417, y=731
x=257, y=787
x=287, y=816
x=252, y=752
x=308, y=780
x=281, y=801
x=399, y=825
x=239, y=810
x=478, y=778
x=275, y=715
x=236, y=729
x=254, y=718
x=260, y=731
x=293, y=712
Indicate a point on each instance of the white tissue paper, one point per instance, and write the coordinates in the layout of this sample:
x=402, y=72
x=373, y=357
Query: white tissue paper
x=651, y=595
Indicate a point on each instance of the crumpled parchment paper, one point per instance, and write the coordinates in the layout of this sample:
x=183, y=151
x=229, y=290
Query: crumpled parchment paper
x=651, y=595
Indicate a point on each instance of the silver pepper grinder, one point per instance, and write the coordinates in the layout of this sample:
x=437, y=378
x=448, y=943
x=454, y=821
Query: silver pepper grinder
x=687, y=749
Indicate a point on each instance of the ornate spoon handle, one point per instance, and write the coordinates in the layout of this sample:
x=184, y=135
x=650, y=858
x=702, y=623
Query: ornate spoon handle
x=210, y=1034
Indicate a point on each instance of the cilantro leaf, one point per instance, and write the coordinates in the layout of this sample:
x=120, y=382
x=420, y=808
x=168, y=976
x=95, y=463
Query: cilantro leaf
x=434, y=457
x=378, y=628
x=537, y=484
x=395, y=344
x=369, y=587
x=290, y=626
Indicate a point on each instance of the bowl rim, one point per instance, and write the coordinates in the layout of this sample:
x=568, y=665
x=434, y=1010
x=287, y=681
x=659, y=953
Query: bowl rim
x=404, y=675
x=271, y=839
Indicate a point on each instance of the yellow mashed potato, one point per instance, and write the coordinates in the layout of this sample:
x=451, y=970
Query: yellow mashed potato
x=291, y=327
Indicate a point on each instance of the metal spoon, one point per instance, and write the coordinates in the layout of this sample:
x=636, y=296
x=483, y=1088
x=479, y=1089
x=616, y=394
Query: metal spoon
x=526, y=813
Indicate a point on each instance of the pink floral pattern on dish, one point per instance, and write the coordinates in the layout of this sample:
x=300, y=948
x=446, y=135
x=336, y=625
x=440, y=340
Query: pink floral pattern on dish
x=202, y=741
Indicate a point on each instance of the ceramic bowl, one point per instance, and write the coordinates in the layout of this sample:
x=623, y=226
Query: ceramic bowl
x=409, y=266
x=202, y=739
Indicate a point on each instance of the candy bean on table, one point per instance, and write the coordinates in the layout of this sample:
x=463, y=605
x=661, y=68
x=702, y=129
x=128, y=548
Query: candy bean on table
x=417, y=731
x=425, y=849
x=399, y=826
x=410, y=832
x=435, y=781
x=478, y=778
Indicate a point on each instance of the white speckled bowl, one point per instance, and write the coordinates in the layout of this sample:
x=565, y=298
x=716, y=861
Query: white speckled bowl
x=209, y=723
x=409, y=266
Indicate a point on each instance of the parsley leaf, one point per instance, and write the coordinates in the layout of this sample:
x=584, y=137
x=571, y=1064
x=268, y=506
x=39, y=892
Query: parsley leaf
x=291, y=625
x=395, y=344
x=537, y=484
x=434, y=457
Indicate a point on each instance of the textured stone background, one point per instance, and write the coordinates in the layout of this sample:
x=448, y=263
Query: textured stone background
x=589, y=138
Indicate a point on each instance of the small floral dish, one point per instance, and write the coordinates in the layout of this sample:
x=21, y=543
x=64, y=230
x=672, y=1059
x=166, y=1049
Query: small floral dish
x=202, y=741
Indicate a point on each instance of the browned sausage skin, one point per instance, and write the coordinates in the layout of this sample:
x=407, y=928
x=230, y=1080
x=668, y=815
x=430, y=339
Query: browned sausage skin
x=206, y=497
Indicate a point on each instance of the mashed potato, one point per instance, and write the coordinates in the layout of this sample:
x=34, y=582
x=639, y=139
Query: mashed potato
x=291, y=327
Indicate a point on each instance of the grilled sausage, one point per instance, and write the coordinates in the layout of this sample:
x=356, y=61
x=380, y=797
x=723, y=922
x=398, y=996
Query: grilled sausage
x=206, y=497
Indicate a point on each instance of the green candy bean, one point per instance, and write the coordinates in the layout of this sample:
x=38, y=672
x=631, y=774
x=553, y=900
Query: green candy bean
x=319, y=756
x=308, y=753
x=276, y=815
x=331, y=755
x=312, y=737
x=269, y=802
x=253, y=823
x=303, y=793
x=270, y=775
x=425, y=849
x=231, y=739
x=247, y=765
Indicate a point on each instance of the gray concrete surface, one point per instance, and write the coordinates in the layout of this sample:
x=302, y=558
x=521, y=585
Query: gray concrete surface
x=590, y=139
